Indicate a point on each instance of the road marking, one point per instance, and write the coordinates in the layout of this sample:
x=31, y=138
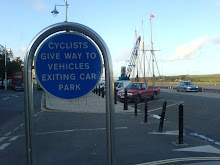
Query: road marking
x=175, y=132
x=204, y=137
x=6, y=95
x=21, y=125
x=37, y=113
x=14, y=138
x=3, y=146
x=2, y=138
x=206, y=149
x=15, y=129
x=8, y=134
x=6, y=98
x=150, y=102
x=162, y=107
x=180, y=160
x=77, y=130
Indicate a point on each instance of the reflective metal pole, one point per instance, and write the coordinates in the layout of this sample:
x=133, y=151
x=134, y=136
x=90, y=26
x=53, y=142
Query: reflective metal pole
x=110, y=109
x=6, y=81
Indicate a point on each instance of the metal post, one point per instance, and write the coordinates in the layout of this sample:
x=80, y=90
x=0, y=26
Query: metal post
x=180, y=140
x=96, y=90
x=99, y=90
x=145, y=110
x=29, y=108
x=126, y=99
x=66, y=5
x=162, y=116
x=6, y=82
x=135, y=106
x=115, y=95
x=103, y=92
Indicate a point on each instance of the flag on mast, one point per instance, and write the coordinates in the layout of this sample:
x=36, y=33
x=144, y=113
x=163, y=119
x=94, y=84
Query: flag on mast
x=152, y=16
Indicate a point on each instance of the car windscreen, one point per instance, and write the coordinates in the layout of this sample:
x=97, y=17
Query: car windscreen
x=134, y=86
x=188, y=83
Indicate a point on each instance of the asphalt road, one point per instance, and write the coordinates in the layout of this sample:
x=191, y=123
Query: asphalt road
x=79, y=138
x=11, y=104
x=201, y=111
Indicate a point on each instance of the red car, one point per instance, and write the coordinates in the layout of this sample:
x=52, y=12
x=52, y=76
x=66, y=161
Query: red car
x=139, y=90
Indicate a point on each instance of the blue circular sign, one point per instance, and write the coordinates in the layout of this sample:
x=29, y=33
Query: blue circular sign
x=68, y=65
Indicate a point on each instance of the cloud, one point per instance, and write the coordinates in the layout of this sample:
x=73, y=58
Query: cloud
x=21, y=52
x=123, y=57
x=189, y=50
x=37, y=5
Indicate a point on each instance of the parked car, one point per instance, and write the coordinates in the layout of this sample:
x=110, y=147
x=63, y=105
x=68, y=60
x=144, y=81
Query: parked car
x=120, y=85
x=19, y=87
x=139, y=90
x=187, y=86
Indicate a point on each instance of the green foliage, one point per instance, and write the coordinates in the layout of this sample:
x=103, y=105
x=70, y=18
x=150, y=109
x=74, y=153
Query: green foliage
x=212, y=78
x=13, y=64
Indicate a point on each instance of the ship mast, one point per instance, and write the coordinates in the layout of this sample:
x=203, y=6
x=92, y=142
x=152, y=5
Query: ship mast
x=152, y=52
x=143, y=49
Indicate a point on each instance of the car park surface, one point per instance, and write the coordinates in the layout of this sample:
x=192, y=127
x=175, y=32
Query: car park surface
x=79, y=136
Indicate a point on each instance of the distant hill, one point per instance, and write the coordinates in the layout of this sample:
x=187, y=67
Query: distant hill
x=212, y=78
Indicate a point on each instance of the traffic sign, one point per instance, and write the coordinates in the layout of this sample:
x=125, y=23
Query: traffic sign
x=68, y=65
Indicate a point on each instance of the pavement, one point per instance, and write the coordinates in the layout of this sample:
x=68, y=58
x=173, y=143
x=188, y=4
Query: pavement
x=90, y=103
x=165, y=141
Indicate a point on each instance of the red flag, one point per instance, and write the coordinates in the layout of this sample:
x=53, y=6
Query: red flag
x=152, y=16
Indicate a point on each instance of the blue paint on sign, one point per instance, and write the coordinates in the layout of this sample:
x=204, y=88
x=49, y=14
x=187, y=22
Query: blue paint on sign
x=68, y=65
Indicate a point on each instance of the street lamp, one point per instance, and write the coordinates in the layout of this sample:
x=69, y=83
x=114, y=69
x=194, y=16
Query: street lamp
x=55, y=12
x=10, y=52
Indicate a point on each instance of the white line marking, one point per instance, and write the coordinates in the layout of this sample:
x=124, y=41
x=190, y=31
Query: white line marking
x=8, y=134
x=156, y=116
x=21, y=125
x=2, y=138
x=15, y=129
x=38, y=113
x=3, y=146
x=14, y=138
x=167, y=106
x=150, y=102
x=6, y=95
x=206, y=149
x=77, y=130
x=168, y=161
x=6, y=98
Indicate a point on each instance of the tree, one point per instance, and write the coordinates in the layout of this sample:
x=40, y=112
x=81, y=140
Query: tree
x=13, y=64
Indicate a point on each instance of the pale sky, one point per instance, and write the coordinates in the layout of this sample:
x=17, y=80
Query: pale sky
x=187, y=32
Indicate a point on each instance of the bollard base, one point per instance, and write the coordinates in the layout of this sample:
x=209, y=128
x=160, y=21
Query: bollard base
x=180, y=145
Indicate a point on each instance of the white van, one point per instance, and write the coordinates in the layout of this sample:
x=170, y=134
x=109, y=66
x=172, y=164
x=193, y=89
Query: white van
x=120, y=85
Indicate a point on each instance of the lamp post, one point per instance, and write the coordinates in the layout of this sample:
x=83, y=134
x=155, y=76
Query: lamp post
x=6, y=81
x=55, y=12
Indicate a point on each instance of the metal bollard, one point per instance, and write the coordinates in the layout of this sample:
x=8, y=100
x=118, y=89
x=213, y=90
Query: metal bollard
x=115, y=95
x=99, y=90
x=103, y=92
x=135, y=106
x=126, y=99
x=180, y=140
x=96, y=90
x=145, y=110
x=162, y=116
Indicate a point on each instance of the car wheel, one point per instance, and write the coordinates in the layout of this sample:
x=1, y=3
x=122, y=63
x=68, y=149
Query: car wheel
x=138, y=98
x=154, y=96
